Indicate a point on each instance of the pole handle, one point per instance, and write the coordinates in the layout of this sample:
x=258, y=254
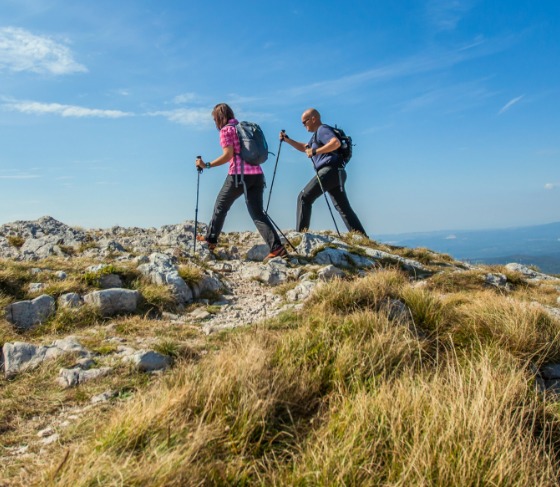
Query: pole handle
x=199, y=169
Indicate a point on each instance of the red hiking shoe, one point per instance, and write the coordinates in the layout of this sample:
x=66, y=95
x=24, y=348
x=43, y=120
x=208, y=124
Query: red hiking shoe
x=277, y=252
x=201, y=238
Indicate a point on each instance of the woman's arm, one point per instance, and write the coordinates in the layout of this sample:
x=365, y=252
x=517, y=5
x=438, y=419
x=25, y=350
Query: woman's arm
x=226, y=156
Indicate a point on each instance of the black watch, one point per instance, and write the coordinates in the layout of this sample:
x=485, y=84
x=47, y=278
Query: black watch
x=313, y=152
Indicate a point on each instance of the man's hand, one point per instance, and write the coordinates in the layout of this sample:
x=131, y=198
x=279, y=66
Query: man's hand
x=283, y=135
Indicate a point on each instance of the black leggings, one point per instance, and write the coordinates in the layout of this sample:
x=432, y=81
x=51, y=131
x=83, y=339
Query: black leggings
x=231, y=190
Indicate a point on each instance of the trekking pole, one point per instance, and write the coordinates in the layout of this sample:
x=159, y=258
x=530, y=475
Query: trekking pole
x=199, y=171
x=325, y=195
x=274, y=174
x=280, y=231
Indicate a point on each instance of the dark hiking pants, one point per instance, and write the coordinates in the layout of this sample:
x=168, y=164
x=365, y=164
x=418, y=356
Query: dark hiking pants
x=228, y=194
x=333, y=179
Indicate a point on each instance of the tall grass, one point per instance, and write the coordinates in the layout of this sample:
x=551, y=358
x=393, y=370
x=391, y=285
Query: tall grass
x=346, y=394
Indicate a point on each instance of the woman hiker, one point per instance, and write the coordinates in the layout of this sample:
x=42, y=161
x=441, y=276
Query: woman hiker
x=233, y=188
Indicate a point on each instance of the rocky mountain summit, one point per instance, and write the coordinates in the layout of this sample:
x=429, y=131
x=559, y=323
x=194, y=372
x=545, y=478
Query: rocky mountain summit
x=97, y=303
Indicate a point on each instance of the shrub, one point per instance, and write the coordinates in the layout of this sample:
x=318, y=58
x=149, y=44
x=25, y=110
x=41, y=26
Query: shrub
x=15, y=241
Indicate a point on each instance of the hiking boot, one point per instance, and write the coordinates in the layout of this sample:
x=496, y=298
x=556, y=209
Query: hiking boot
x=277, y=252
x=201, y=238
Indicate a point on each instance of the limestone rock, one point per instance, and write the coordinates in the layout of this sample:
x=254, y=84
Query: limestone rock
x=530, y=273
x=273, y=273
x=310, y=243
x=258, y=252
x=302, y=291
x=497, y=280
x=330, y=272
x=70, y=300
x=114, y=301
x=20, y=356
x=108, y=281
x=161, y=270
x=149, y=361
x=26, y=314
x=76, y=376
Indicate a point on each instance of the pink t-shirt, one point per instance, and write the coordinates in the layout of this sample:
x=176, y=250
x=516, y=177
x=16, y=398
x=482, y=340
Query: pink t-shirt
x=229, y=138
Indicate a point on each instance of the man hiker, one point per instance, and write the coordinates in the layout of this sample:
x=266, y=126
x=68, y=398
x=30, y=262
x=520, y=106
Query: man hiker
x=322, y=149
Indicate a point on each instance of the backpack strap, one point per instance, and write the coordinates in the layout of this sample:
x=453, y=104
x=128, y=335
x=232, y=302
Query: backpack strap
x=238, y=154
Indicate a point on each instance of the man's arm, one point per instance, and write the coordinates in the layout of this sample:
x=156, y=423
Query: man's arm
x=300, y=146
x=330, y=146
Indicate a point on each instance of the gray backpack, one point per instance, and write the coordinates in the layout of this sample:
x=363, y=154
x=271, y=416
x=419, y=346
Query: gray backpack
x=254, y=149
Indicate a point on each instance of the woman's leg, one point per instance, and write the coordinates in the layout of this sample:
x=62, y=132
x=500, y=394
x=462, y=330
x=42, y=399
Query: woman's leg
x=227, y=195
x=255, y=190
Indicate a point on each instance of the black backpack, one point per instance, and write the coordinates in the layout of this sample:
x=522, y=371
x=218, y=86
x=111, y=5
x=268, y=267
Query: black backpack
x=345, y=149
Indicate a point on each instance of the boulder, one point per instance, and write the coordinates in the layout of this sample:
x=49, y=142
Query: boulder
x=258, y=252
x=70, y=300
x=108, y=281
x=162, y=271
x=411, y=266
x=310, y=243
x=20, y=356
x=149, y=361
x=302, y=291
x=76, y=376
x=208, y=283
x=273, y=273
x=497, y=280
x=114, y=301
x=530, y=273
x=26, y=314
x=330, y=272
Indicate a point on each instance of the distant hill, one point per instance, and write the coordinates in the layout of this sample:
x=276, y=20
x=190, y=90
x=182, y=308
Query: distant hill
x=535, y=245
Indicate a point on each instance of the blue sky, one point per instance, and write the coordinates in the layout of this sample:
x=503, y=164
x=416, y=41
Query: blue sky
x=453, y=106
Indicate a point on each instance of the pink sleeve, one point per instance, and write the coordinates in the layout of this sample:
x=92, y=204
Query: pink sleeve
x=226, y=136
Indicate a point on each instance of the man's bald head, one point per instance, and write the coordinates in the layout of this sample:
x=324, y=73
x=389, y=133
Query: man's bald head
x=311, y=119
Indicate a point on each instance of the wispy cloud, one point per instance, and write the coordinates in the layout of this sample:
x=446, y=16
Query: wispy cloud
x=458, y=96
x=422, y=63
x=185, y=98
x=186, y=116
x=446, y=14
x=550, y=186
x=510, y=103
x=20, y=50
x=19, y=176
x=37, y=108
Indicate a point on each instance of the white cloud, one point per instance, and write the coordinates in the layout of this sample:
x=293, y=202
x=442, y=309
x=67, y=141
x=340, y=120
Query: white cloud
x=185, y=98
x=37, y=108
x=186, y=116
x=20, y=50
x=550, y=186
x=451, y=237
x=509, y=104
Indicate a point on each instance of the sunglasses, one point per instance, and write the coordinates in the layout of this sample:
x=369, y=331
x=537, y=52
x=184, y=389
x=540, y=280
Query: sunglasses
x=306, y=120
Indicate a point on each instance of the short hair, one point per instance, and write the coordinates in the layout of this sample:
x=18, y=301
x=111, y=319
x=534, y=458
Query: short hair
x=222, y=114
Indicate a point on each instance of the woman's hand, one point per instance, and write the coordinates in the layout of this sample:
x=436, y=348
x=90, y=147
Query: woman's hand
x=199, y=163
